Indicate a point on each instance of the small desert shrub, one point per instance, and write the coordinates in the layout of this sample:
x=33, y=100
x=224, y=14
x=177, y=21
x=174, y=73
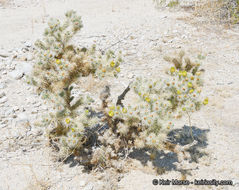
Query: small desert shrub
x=99, y=138
x=167, y=3
x=223, y=11
x=216, y=11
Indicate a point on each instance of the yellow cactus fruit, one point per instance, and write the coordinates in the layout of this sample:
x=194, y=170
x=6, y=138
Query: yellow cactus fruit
x=112, y=63
x=111, y=113
x=58, y=61
x=172, y=69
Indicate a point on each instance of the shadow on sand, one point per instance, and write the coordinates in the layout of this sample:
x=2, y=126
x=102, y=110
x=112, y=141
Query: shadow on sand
x=167, y=161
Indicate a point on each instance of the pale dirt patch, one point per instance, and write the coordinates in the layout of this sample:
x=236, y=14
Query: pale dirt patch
x=148, y=34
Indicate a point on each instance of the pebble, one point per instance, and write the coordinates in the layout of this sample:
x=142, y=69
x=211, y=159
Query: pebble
x=22, y=116
x=4, y=54
x=131, y=75
x=164, y=16
x=16, y=74
x=9, y=112
x=21, y=69
x=2, y=125
x=34, y=111
x=5, y=121
x=235, y=182
x=27, y=44
x=3, y=100
x=38, y=104
x=2, y=94
x=90, y=186
x=4, y=72
x=29, y=57
x=16, y=108
x=82, y=183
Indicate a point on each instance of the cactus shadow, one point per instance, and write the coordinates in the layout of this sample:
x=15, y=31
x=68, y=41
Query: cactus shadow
x=183, y=137
x=167, y=160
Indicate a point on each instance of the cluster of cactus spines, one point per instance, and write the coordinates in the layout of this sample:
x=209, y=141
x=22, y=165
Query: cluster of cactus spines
x=60, y=64
x=159, y=103
x=77, y=128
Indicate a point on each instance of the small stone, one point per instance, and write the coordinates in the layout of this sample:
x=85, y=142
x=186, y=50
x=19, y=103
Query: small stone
x=235, y=182
x=16, y=74
x=23, y=120
x=21, y=69
x=131, y=75
x=82, y=183
x=35, y=111
x=3, y=100
x=90, y=186
x=38, y=104
x=4, y=54
x=44, y=107
x=184, y=36
x=12, y=67
x=164, y=16
x=5, y=121
x=29, y=57
x=9, y=112
x=2, y=94
x=27, y=44
x=22, y=116
x=16, y=108
x=2, y=125
x=2, y=86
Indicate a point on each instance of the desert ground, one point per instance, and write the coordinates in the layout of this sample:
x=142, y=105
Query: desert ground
x=145, y=34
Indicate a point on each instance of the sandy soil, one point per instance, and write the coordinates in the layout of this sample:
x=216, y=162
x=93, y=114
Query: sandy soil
x=144, y=34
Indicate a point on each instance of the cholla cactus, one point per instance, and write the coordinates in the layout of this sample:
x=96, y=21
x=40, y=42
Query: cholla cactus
x=159, y=103
x=75, y=125
x=58, y=65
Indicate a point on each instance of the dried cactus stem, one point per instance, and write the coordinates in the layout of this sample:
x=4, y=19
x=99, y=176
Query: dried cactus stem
x=190, y=125
x=122, y=96
x=67, y=98
x=177, y=63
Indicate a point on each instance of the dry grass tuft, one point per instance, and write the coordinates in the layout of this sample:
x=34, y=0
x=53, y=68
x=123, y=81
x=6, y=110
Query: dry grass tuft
x=36, y=183
x=218, y=11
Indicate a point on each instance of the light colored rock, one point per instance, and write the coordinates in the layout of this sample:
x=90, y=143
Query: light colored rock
x=2, y=94
x=131, y=75
x=22, y=117
x=22, y=68
x=3, y=125
x=34, y=111
x=90, y=186
x=16, y=74
x=9, y=112
x=16, y=108
x=82, y=183
x=4, y=72
x=28, y=44
x=38, y=104
x=29, y=57
x=3, y=100
x=4, y=54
